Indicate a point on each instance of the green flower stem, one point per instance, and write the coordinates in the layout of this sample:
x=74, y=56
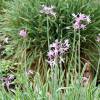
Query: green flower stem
x=25, y=55
x=73, y=47
x=48, y=31
x=72, y=56
x=79, y=44
x=98, y=62
x=74, y=41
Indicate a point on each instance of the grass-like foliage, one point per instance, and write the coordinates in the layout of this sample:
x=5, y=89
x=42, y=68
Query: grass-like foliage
x=32, y=30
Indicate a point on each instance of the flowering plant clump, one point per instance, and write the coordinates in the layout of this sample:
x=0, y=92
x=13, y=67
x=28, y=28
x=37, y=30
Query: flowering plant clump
x=23, y=33
x=98, y=38
x=48, y=10
x=81, y=21
x=56, y=52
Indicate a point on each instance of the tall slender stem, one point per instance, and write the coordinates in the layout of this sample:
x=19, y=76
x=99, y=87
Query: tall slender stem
x=79, y=51
x=48, y=31
x=98, y=62
x=73, y=52
x=73, y=47
x=25, y=56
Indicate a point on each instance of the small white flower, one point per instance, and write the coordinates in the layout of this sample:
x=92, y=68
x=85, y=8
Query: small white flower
x=61, y=60
x=6, y=40
x=88, y=19
x=74, y=15
x=98, y=38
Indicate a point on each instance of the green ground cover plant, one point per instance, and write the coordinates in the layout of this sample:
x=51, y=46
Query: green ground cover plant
x=49, y=43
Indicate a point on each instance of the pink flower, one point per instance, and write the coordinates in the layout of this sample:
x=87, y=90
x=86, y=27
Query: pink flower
x=82, y=26
x=82, y=16
x=48, y=10
x=57, y=51
x=8, y=81
x=79, y=21
x=66, y=45
x=23, y=33
x=51, y=54
x=76, y=25
x=55, y=45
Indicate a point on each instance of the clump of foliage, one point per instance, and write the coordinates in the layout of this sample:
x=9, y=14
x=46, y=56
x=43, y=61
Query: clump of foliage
x=26, y=15
x=5, y=65
x=33, y=29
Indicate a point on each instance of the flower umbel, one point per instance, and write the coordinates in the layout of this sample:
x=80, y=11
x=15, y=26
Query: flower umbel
x=48, y=10
x=81, y=21
x=8, y=81
x=23, y=33
x=56, y=52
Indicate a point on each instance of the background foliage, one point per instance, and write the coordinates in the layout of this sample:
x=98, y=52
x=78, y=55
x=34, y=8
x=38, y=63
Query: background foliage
x=32, y=51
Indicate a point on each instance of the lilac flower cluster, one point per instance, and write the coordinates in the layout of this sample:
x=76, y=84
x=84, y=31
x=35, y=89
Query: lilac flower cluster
x=23, y=33
x=56, y=52
x=48, y=10
x=81, y=21
x=7, y=81
x=98, y=38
